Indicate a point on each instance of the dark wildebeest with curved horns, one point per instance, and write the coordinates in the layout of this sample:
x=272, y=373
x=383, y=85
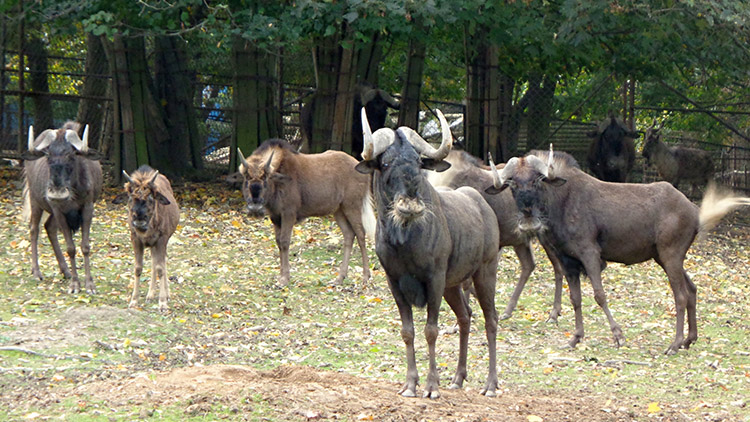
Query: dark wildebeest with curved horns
x=291, y=186
x=429, y=241
x=589, y=222
x=63, y=177
x=612, y=151
x=467, y=170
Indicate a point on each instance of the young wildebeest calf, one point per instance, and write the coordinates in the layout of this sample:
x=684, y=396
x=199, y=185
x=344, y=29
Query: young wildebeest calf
x=291, y=187
x=62, y=176
x=153, y=215
x=589, y=221
x=429, y=241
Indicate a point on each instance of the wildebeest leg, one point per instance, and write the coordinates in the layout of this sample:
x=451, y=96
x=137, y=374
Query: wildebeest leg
x=355, y=220
x=574, y=283
x=75, y=285
x=680, y=290
x=159, y=274
x=50, y=226
x=558, y=268
x=434, y=298
x=593, y=269
x=348, y=232
x=526, y=258
x=138, y=249
x=454, y=296
x=692, y=294
x=36, y=216
x=283, y=240
x=484, y=286
x=88, y=215
x=409, y=388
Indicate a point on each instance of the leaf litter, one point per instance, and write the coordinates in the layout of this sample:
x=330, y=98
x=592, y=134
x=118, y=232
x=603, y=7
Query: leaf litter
x=236, y=345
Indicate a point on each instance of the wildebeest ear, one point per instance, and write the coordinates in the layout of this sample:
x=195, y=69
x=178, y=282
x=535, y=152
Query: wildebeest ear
x=557, y=181
x=162, y=199
x=366, y=167
x=492, y=190
x=235, y=177
x=436, y=165
x=120, y=198
x=32, y=155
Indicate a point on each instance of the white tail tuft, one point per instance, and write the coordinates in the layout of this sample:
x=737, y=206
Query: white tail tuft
x=716, y=204
x=26, y=213
x=368, y=215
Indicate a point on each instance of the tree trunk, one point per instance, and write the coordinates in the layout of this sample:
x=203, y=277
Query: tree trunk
x=174, y=87
x=408, y=114
x=482, y=103
x=257, y=106
x=37, y=54
x=509, y=120
x=327, y=60
x=541, y=94
x=91, y=108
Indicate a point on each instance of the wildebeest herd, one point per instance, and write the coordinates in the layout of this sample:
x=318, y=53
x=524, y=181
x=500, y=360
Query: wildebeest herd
x=442, y=217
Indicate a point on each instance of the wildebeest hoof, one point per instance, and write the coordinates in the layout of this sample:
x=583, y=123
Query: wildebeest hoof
x=488, y=393
x=454, y=386
x=408, y=392
x=163, y=307
x=505, y=315
x=133, y=304
x=431, y=394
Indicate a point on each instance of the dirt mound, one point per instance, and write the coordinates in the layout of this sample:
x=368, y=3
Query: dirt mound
x=304, y=393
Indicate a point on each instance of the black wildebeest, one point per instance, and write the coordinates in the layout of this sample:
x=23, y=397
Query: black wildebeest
x=429, y=242
x=589, y=222
x=62, y=176
x=376, y=101
x=291, y=186
x=153, y=215
x=466, y=170
x=677, y=163
x=612, y=151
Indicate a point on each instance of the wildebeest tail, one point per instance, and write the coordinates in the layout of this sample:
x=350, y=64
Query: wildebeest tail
x=716, y=204
x=412, y=290
x=26, y=213
x=368, y=215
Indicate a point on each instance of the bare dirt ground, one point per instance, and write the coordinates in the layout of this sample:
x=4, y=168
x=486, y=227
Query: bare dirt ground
x=298, y=392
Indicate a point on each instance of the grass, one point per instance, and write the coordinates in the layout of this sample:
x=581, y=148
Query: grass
x=227, y=309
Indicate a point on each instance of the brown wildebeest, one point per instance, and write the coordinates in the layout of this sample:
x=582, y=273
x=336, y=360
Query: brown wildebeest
x=677, y=163
x=291, y=186
x=589, y=222
x=62, y=177
x=429, y=242
x=153, y=215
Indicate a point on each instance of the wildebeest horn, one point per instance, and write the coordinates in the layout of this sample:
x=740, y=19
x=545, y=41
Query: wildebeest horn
x=85, y=139
x=388, y=98
x=366, y=94
x=242, y=158
x=267, y=168
x=31, y=138
x=499, y=179
x=423, y=147
x=537, y=164
x=127, y=176
x=47, y=137
x=72, y=137
x=374, y=144
x=156, y=174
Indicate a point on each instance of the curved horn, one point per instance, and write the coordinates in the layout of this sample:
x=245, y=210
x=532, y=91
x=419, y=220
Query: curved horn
x=267, y=168
x=366, y=94
x=242, y=158
x=72, y=137
x=85, y=139
x=388, y=98
x=537, y=164
x=374, y=144
x=423, y=147
x=498, y=179
x=127, y=176
x=48, y=136
x=31, y=138
x=156, y=174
